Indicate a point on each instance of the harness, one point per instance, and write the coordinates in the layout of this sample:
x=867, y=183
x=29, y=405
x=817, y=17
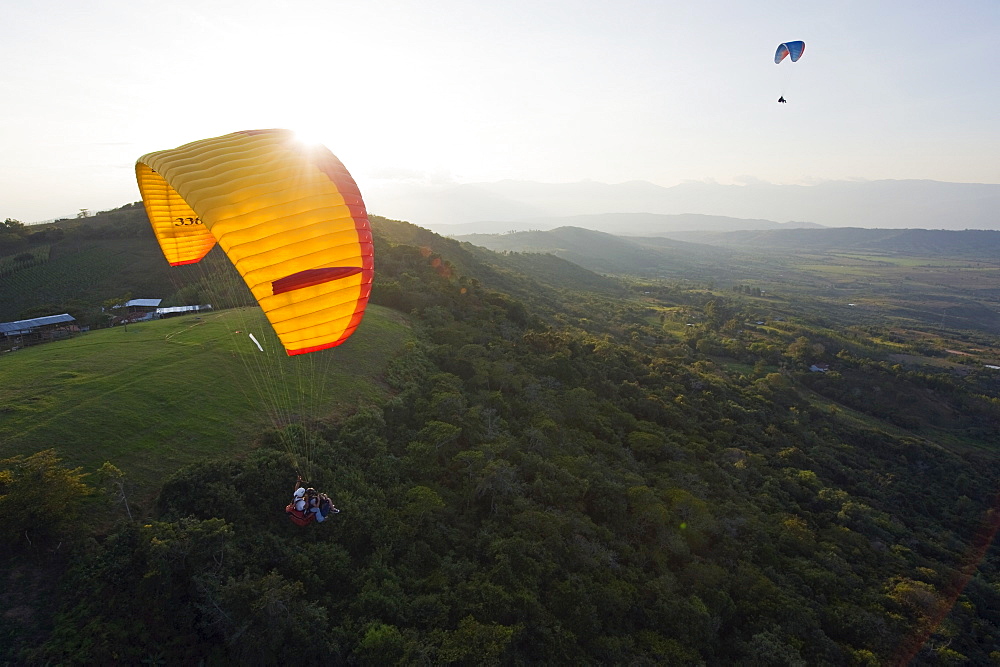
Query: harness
x=297, y=517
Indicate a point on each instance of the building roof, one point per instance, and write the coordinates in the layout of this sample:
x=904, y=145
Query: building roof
x=182, y=309
x=147, y=303
x=24, y=326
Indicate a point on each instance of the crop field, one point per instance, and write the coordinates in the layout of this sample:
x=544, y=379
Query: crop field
x=11, y=264
x=866, y=288
x=90, y=271
x=896, y=260
x=169, y=392
x=958, y=274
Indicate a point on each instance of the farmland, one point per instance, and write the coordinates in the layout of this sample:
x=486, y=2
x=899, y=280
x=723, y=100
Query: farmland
x=958, y=294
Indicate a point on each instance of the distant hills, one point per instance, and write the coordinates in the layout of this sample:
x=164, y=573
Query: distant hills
x=603, y=252
x=521, y=205
x=625, y=224
x=692, y=254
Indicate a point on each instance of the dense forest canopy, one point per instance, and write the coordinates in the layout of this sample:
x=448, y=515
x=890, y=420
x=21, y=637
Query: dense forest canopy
x=571, y=468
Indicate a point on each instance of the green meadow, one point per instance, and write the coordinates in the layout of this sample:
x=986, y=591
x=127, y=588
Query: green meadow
x=169, y=392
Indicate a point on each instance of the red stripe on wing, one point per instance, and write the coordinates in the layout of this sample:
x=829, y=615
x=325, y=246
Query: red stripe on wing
x=311, y=277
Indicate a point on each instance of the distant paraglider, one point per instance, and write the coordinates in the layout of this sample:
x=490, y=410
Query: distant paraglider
x=791, y=50
x=287, y=214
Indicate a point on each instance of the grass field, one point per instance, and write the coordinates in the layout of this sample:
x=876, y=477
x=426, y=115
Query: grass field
x=169, y=392
x=901, y=290
x=894, y=260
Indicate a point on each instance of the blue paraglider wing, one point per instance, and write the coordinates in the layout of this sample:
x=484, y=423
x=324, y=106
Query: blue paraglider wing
x=792, y=49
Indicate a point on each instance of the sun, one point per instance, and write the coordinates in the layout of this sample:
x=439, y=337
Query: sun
x=311, y=134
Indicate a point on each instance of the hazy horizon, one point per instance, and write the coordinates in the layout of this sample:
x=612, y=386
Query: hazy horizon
x=887, y=204
x=640, y=207
x=456, y=93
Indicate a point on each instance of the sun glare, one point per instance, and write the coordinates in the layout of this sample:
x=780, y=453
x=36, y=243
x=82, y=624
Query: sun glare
x=311, y=136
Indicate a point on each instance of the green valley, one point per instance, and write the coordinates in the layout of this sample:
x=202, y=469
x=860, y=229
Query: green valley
x=584, y=450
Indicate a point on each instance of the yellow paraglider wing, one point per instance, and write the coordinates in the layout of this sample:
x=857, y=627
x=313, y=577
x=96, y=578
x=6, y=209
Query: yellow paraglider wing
x=288, y=215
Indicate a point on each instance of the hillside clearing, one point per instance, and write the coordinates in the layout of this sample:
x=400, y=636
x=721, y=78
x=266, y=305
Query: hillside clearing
x=170, y=392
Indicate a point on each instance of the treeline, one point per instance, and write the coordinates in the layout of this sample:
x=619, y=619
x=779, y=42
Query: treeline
x=552, y=482
x=748, y=290
x=128, y=221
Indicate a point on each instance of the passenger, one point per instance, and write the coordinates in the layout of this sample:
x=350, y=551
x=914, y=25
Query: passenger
x=321, y=506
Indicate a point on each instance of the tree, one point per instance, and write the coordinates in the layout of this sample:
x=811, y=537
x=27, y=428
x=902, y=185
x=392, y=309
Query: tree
x=113, y=481
x=476, y=642
x=39, y=499
x=717, y=312
x=117, y=303
x=268, y=620
x=12, y=234
x=12, y=226
x=381, y=645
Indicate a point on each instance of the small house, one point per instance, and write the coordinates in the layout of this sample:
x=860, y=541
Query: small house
x=142, y=309
x=135, y=310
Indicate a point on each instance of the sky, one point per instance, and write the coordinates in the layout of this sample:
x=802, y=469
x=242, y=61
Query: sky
x=461, y=91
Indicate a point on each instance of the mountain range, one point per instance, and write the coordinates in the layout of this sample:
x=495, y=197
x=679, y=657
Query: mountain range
x=626, y=224
x=520, y=205
x=704, y=254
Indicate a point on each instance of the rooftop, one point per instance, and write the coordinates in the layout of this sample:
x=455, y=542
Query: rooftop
x=22, y=326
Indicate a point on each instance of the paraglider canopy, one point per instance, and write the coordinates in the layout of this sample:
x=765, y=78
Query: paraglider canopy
x=287, y=214
x=792, y=50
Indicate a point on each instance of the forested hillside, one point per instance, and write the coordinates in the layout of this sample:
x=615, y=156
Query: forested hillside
x=570, y=470
x=73, y=266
